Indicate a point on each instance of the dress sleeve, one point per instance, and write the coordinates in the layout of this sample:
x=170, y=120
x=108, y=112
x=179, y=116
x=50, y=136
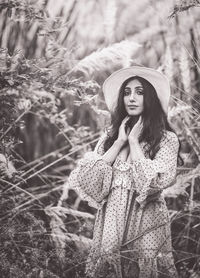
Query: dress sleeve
x=153, y=175
x=92, y=177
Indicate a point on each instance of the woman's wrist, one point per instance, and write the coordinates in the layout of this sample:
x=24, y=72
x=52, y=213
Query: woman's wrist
x=113, y=151
x=133, y=141
x=135, y=150
x=119, y=143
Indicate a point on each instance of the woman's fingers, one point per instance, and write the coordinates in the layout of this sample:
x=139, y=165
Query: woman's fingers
x=139, y=122
x=128, y=130
x=123, y=123
x=125, y=119
x=122, y=129
x=137, y=129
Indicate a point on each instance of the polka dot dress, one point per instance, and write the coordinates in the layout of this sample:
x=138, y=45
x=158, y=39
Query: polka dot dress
x=131, y=236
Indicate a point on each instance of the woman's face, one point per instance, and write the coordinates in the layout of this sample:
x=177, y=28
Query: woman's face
x=134, y=98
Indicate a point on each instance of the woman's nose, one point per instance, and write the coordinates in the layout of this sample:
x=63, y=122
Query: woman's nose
x=132, y=96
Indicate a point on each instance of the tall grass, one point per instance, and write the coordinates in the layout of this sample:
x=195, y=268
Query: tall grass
x=50, y=101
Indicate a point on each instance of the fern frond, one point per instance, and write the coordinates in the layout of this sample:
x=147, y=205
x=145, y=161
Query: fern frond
x=106, y=58
x=6, y=167
x=147, y=33
x=184, y=5
x=185, y=70
x=168, y=63
x=181, y=183
x=177, y=110
x=57, y=231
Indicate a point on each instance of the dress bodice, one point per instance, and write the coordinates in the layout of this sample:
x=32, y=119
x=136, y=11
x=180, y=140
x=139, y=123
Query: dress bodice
x=123, y=170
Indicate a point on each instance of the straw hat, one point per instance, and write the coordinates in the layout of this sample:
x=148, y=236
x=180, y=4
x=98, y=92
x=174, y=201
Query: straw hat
x=113, y=83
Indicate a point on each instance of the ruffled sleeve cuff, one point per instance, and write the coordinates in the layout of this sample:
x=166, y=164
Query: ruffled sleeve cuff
x=95, y=176
x=92, y=176
x=153, y=175
x=92, y=179
x=73, y=183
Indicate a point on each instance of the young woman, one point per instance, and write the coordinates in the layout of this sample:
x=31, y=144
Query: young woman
x=134, y=160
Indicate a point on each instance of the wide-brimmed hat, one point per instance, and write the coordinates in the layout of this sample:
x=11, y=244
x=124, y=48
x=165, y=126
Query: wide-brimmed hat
x=158, y=80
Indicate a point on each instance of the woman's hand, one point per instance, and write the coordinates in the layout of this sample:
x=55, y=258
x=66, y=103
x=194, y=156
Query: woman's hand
x=122, y=135
x=111, y=154
x=136, y=131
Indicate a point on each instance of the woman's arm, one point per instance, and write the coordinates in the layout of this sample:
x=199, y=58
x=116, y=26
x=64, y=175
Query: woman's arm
x=111, y=154
x=133, y=139
x=135, y=150
x=113, y=151
x=93, y=175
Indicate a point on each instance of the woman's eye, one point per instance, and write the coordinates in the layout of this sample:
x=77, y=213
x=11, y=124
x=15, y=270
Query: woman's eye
x=140, y=92
x=127, y=92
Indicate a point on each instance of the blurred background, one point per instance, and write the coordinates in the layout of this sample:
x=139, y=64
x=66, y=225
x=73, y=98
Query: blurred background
x=54, y=57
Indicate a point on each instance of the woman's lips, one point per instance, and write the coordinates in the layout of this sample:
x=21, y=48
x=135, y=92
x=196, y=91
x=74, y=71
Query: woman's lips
x=132, y=106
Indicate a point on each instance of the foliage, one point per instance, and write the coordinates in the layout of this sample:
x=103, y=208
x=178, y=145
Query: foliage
x=25, y=247
x=184, y=5
x=52, y=110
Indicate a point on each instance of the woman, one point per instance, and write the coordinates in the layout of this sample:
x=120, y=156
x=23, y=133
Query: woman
x=132, y=163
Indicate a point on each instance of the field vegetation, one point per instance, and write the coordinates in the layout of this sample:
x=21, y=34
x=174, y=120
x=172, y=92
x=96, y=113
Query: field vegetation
x=53, y=61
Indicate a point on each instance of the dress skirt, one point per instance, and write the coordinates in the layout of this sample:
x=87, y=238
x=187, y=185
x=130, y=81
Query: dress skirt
x=130, y=242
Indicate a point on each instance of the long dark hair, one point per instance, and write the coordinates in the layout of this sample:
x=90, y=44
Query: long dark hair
x=155, y=121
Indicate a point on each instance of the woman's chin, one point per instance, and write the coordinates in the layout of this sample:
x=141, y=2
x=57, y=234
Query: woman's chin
x=133, y=113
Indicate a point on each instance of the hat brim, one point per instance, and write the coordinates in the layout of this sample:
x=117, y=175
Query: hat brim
x=159, y=81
